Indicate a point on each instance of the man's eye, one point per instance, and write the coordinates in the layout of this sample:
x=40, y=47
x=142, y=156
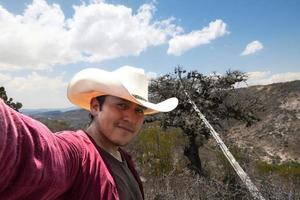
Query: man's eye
x=122, y=105
x=140, y=111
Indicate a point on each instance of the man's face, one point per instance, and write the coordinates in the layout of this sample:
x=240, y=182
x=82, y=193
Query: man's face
x=119, y=120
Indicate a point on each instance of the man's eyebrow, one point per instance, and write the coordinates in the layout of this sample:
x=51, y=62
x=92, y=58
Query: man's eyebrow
x=142, y=107
x=120, y=100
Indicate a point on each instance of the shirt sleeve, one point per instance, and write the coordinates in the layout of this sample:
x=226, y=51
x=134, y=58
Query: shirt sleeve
x=34, y=162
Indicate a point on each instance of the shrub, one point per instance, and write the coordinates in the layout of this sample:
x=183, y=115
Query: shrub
x=285, y=170
x=157, y=151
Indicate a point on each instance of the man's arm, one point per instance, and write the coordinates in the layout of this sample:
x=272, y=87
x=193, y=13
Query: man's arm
x=34, y=162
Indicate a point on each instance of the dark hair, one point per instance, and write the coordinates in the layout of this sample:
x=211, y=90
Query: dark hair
x=101, y=100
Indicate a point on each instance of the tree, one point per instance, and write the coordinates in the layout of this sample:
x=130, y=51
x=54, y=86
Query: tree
x=9, y=101
x=214, y=95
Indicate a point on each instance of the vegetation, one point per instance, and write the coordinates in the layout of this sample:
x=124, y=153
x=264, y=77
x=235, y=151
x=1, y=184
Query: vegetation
x=229, y=175
x=9, y=101
x=55, y=125
x=157, y=151
x=166, y=179
x=214, y=95
x=287, y=170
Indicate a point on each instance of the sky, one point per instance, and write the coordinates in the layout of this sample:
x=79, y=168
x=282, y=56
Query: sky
x=43, y=43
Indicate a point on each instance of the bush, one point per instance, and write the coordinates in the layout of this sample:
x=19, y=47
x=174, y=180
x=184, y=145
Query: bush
x=158, y=151
x=285, y=170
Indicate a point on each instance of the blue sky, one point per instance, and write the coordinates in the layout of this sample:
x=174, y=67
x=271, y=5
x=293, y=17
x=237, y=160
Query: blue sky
x=44, y=43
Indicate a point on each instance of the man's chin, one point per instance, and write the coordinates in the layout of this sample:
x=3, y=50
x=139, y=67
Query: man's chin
x=121, y=143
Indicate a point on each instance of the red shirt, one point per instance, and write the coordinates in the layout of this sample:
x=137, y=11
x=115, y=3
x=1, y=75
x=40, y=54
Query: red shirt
x=38, y=164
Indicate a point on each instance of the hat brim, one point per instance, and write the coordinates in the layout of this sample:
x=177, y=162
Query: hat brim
x=93, y=82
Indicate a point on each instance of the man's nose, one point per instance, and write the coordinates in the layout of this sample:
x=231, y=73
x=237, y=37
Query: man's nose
x=130, y=115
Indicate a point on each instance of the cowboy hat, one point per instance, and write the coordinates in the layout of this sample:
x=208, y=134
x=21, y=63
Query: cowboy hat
x=127, y=82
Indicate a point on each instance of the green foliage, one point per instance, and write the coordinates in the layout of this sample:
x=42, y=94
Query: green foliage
x=55, y=125
x=157, y=150
x=285, y=170
x=9, y=101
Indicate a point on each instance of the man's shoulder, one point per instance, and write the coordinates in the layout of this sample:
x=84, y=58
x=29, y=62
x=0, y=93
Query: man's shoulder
x=76, y=136
x=76, y=140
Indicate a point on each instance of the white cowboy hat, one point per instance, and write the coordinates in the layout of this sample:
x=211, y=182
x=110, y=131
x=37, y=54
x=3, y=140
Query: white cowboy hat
x=126, y=82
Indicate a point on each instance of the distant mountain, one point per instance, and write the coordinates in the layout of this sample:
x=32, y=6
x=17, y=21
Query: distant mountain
x=35, y=111
x=76, y=118
x=45, y=110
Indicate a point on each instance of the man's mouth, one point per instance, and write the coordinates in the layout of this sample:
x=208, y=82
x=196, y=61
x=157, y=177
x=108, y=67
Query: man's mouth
x=127, y=128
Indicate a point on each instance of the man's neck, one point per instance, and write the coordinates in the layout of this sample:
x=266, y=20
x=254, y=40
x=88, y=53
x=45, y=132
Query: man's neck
x=103, y=142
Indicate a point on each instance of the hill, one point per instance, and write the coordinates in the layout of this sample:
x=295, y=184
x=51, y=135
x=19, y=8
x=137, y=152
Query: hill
x=75, y=119
x=276, y=137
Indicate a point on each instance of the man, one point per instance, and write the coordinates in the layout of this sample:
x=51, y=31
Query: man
x=37, y=164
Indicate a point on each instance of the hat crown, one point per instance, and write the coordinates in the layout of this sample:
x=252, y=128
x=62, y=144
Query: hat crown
x=134, y=80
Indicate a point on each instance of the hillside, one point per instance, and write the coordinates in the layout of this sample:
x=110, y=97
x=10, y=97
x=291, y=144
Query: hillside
x=75, y=119
x=276, y=137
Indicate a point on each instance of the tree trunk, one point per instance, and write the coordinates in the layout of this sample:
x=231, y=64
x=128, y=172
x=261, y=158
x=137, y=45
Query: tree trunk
x=192, y=153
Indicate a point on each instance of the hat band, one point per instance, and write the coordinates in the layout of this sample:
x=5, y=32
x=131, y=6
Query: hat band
x=138, y=97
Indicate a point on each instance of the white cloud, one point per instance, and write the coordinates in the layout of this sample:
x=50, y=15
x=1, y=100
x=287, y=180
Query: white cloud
x=4, y=78
x=97, y=1
x=252, y=47
x=151, y=75
x=267, y=77
x=107, y=31
x=36, y=39
x=182, y=43
x=42, y=37
x=36, y=91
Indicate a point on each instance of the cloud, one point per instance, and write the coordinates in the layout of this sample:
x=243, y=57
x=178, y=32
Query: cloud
x=182, y=43
x=267, y=77
x=36, y=39
x=36, y=91
x=107, y=31
x=151, y=75
x=252, y=47
x=4, y=78
x=42, y=37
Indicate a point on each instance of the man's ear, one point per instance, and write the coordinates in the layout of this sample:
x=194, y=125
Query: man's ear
x=94, y=106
